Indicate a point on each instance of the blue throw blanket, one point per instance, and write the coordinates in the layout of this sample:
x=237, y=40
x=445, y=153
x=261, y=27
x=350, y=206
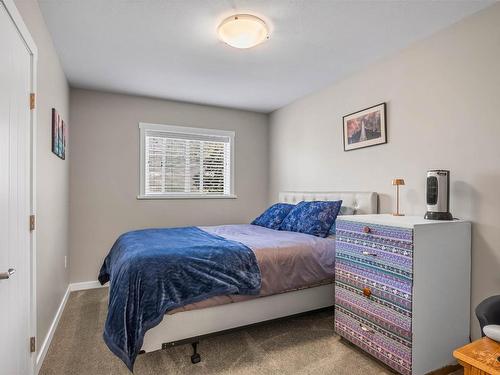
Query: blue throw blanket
x=156, y=270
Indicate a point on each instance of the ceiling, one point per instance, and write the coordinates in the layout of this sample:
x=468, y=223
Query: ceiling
x=169, y=48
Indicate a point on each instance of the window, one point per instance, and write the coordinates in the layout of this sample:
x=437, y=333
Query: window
x=181, y=162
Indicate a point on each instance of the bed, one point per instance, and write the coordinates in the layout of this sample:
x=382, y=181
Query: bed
x=297, y=277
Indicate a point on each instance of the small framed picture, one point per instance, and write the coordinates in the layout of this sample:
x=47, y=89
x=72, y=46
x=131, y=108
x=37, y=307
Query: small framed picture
x=365, y=128
x=59, y=135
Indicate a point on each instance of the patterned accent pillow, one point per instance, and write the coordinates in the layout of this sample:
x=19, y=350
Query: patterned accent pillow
x=343, y=211
x=274, y=215
x=314, y=218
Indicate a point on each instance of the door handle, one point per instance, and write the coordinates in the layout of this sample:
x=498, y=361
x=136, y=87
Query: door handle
x=8, y=274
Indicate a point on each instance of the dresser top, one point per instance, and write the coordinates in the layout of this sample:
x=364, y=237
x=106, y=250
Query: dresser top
x=395, y=221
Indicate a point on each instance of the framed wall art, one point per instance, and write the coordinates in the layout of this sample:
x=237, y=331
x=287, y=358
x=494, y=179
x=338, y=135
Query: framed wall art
x=365, y=128
x=59, y=135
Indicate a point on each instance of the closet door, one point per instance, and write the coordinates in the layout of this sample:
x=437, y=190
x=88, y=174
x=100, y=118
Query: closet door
x=15, y=73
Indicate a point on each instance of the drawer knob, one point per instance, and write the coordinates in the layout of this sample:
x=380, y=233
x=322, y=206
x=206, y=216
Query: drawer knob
x=367, y=230
x=367, y=292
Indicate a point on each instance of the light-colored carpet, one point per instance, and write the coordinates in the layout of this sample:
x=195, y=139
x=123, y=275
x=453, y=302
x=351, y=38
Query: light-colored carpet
x=305, y=345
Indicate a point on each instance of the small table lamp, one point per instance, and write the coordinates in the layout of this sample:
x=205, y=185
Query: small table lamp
x=398, y=182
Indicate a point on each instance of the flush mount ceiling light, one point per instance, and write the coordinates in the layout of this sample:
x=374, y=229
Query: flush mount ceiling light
x=243, y=31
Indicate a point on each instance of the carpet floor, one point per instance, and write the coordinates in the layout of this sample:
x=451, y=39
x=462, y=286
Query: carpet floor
x=304, y=345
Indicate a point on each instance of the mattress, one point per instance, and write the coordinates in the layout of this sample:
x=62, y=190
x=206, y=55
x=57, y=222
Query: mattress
x=287, y=260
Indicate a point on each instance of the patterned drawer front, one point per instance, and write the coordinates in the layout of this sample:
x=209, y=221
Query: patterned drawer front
x=383, y=232
x=373, y=340
x=387, y=289
x=383, y=313
x=373, y=250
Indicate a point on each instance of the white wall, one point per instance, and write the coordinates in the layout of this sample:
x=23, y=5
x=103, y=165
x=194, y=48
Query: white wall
x=104, y=175
x=52, y=174
x=443, y=97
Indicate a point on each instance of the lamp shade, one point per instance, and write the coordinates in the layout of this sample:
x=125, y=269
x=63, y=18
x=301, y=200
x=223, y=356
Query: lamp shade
x=398, y=181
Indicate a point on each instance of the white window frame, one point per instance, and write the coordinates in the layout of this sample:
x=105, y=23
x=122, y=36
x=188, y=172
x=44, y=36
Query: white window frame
x=144, y=127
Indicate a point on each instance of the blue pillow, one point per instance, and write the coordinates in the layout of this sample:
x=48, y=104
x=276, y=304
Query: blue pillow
x=343, y=211
x=274, y=215
x=314, y=218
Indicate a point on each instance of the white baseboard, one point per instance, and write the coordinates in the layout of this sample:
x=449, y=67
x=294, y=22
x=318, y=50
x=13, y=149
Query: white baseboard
x=84, y=285
x=50, y=334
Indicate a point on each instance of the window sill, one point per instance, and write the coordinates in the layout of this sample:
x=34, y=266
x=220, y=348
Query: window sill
x=183, y=196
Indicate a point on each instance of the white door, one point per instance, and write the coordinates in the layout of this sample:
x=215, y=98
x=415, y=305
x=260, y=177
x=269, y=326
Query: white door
x=15, y=123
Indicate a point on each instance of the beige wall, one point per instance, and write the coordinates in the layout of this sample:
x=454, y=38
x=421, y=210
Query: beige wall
x=443, y=97
x=104, y=175
x=52, y=174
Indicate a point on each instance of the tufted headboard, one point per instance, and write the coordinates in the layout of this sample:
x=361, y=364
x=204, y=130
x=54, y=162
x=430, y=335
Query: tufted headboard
x=364, y=202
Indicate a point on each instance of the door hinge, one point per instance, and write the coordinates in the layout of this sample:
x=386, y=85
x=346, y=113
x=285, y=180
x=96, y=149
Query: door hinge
x=32, y=222
x=32, y=344
x=32, y=100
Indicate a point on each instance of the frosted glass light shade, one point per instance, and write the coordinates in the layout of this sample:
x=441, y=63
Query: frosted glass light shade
x=243, y=31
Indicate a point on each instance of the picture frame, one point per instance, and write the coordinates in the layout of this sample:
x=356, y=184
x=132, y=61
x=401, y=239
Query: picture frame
x=365, y=128
x=59, y=135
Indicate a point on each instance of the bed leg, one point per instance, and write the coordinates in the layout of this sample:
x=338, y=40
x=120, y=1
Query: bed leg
x=195, y=358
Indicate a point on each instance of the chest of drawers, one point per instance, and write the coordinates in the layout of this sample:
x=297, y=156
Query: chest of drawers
x=402, y=288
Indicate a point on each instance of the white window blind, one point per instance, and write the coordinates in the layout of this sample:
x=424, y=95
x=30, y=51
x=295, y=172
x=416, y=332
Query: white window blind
x=185, y=162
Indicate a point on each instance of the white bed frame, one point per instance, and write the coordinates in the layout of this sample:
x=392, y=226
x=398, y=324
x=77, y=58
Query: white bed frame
x=190, y=326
